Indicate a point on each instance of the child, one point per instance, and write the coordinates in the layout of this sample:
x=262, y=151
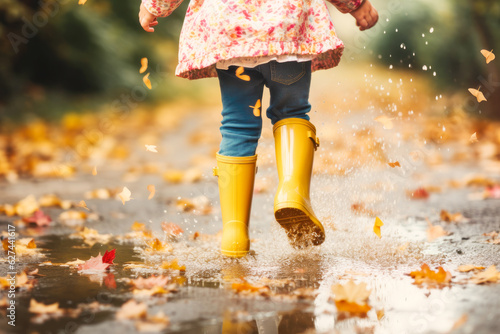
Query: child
x=249, y=44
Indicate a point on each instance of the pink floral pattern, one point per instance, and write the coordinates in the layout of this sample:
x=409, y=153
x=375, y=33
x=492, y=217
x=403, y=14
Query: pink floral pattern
x=216, y=30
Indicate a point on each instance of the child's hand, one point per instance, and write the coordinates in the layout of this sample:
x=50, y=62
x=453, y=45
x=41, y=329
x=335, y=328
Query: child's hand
x=366, y=15
x=146, y=19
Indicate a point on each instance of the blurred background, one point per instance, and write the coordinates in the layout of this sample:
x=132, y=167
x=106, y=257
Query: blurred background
x=58, y=56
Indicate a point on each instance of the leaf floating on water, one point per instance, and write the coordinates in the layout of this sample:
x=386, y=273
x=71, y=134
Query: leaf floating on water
x=376, y=227
x=146, y=81
x=240, y=75
x=94, y=263
x=152, y=191
x=151, y=148
x=394, y=164
x=144, y=65
x=125, y=195
x=473, y=138
x=477, y=94
x=40, y=308
x=108, y=257
x=39, y=218
x=489, y=55
x=428, y=276
x=256, y=108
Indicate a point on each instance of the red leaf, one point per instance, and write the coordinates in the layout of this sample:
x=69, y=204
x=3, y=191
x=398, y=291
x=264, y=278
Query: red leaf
x=94, y=263
x=108, y=257
x=109, y=281
x=39, y=218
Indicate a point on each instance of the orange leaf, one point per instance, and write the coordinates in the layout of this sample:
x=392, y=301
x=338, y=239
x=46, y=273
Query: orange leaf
x=426, y=275
x=394, y=164
x=376, y=227
x=239, y=74
x=82, y=2
x=125, y=195
x=435, y=231
x=256, y=108
x=477, y=94
x=174, y=265
x=473, y=138
x=146, y=81
x=152, y=190
x=31, y=244
x=172, y=229
x=419, y=193
x=144, y=65
x=489, y=55
x=469, y=267
x=353, y=308
x=490, y=275
x=82, y=205
x=450, y=217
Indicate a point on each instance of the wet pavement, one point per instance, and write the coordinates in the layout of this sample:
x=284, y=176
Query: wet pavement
x=205, y=301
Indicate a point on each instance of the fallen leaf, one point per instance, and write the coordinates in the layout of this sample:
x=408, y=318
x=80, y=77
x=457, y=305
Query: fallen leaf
x=256, y=108
x=39, y=218
x=154, y=324
x=419, y=193
x=247, y=288
x=468, y=267
x=73, y=217
x=352, y=298
x=108, y=257
x=150, y=282
x=94, y=263
x=473, y=138
x=146, y=81
x=490, y=275
x=132, y=310
x=173, y=265
x=82, y=205
x=494, y=239
x=31, y=244
x=394, y=164
x=376, y=227
x=385, y=121
x=151, y=148
x=489, y=55
x=91, y=236
x=172, y=230
x=428, y=276
x=477, y=94
x=380, y=314
x=82, y=2
x=26, y=206
x=435, y=231
x=125, y=195
x=40, y=308
x=152, y=190
x=451, y=217
x=144, y=65
x=240, y=75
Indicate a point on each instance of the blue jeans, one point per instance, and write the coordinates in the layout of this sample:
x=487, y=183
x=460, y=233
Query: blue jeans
x=288, y=85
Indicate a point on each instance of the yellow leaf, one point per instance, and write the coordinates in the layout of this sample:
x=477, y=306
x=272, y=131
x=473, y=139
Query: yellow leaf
x=174, y=265
x=256, y=108
x=473, y=138
x=125, y=195
x=477, y=94
x=41, y=308
x=144, y=65
x=152, y=190
x=489, y=55
x=82, y=205
x=146, y=81
x=26, y=206
x=82, y=2
x=136, y=226
x=428, y=276
x=490, y=275
x=239, y=74
x=151, y=148
x=376, y=227
x=351, y=292
x=31, y=244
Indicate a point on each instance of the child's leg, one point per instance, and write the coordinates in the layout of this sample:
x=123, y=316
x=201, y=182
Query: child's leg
x=240, y=129
x=289, y=84
x=236, y=160
x=295, y=143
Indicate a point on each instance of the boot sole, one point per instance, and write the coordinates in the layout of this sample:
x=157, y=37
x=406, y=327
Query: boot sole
x=301, y=230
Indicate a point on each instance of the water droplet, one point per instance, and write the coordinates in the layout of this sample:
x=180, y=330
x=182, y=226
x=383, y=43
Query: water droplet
x=396, y=30
x=424, y=67
x=391, y=67
x=431, y=30
x=434, y=73
x=423, y=35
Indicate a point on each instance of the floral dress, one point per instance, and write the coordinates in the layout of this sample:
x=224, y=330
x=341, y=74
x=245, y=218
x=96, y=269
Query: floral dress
x=220, y=30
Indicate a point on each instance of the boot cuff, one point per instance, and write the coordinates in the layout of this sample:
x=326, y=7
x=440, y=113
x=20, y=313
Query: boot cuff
x=290, y=121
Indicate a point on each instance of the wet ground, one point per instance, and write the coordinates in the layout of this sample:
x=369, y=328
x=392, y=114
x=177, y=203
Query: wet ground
x=348, y=171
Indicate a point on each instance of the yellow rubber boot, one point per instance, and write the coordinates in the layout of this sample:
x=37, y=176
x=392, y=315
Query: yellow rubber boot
x=295, y=142
x=236, y=180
